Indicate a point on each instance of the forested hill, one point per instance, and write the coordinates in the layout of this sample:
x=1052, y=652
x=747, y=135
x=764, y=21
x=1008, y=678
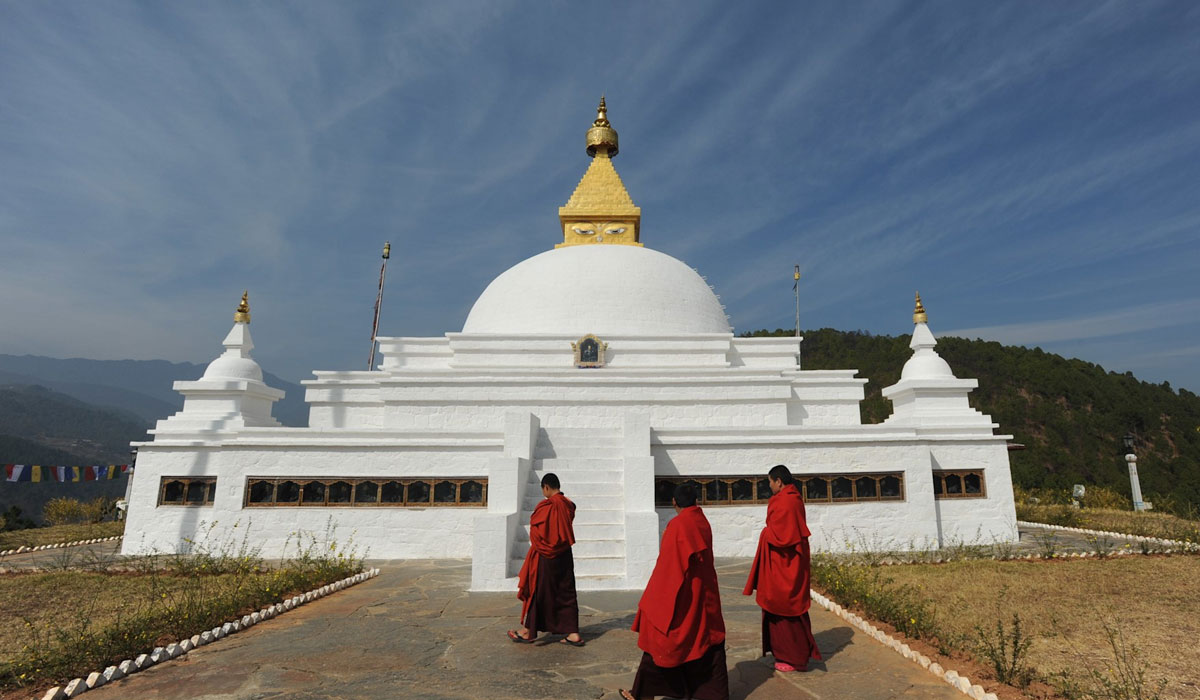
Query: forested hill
x=1070, y=414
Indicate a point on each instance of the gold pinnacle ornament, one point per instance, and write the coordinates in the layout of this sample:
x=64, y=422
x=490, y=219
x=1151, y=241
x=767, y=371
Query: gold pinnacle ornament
x=919, y=315
x=242, y=315
x=602, y=136
x=600, y=210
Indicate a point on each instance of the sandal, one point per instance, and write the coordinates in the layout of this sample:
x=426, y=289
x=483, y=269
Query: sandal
x=516, y=637
x=626, y=695
x=785, y=668
x=579, y=643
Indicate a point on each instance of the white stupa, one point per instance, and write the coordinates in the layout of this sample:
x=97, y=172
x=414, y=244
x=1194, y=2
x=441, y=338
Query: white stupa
x=608, y=363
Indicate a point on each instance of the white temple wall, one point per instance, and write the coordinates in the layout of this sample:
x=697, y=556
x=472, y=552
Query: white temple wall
x=977, y=520
x=432, y=532
x=925, y=522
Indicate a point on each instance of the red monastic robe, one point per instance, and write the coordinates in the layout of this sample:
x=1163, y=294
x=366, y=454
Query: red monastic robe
x=679, y=616
x=781, y=565
x=550, y=535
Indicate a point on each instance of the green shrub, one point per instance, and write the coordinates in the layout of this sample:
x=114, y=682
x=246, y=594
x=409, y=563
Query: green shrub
x=1105, y=497
x=1007, y=651
x=63, y=511
x=866, y=588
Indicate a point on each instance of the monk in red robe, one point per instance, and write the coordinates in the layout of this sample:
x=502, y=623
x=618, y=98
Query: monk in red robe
x=781, y=574
x=547, y=580
x=679, y=624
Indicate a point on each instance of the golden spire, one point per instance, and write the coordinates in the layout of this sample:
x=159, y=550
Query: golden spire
x=600, y=210
x=242, y=315
x=602, y=137
x=919, y=312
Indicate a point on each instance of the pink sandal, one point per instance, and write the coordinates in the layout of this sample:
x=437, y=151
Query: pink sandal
x=785, y=668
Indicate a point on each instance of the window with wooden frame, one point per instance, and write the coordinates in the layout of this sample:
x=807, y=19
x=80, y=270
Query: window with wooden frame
x=959, y=483
x=187, y=490
x=815, y=488
x=264, y=492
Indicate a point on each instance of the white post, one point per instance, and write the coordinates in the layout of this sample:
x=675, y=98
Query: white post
x=1135, y=487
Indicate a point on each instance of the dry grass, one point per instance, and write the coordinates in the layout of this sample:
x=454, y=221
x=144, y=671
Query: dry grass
x=34, y=603
x=59, y=533
x=1155, y=601
x=1147, y=524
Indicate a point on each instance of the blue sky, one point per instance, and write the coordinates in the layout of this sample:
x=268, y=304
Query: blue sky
x=1032, y=168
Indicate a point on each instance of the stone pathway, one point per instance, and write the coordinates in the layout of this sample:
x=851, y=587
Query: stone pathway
x=414, y=632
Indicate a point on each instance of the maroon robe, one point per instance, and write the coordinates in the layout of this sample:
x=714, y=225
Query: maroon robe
x=546, y=583
x=781, y=572
x=679, y=623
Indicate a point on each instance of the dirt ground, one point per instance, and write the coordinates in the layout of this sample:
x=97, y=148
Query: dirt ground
x=1153, y=601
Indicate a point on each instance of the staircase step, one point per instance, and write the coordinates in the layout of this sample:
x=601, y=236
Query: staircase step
x=586, y=490
x=579, y=437
x=579, y=465
x=585, y=531
x=583, y=549
x=570, y=479
x=578, y=451
x=614, y=502
x=585, y=516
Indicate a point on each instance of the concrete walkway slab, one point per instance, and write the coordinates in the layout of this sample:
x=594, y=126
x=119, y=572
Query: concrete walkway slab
x=415, y=632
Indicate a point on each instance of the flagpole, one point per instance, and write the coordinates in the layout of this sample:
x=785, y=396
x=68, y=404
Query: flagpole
x=796, y=288
x=387, y=253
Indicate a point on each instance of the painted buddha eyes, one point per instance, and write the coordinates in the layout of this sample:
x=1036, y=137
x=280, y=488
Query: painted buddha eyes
x=591, y=231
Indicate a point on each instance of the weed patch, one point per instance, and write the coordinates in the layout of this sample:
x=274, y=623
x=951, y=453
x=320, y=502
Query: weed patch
x=50, y=637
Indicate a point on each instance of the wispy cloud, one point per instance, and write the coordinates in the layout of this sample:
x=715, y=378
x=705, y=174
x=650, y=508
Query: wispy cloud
x=159, y=159
x=1123, y=321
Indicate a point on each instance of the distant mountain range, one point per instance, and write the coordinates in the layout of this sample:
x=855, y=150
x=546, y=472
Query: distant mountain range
x=54, y=410
x=141, y=387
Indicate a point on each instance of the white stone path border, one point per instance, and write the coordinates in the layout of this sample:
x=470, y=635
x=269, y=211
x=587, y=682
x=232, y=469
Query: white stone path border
x=959, y=682
x=1185, y=546
x=58, y=545
x=177, y=649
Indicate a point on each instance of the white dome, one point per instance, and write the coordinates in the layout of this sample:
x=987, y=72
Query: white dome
x=233, y=367
x=601, y=289
x=925, y=362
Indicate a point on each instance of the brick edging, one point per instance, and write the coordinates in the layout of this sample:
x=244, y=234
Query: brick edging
x=1185, y=546
x=177, y=649
x=953, y=678
x=58, y=545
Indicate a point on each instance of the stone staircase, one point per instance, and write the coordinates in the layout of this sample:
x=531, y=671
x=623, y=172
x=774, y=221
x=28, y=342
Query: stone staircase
x=590, y=465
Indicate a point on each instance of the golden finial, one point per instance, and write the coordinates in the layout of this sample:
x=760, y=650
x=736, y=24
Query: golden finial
x=387, y=250
x=919, y=315
x=242, y=315
x=602, y=137
x=601, y=114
